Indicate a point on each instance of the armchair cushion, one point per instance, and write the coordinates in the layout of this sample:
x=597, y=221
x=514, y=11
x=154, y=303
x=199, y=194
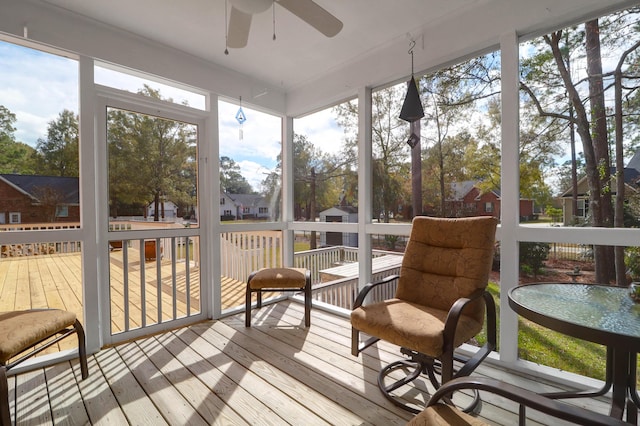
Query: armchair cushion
x=20, y=330
x=411, y=325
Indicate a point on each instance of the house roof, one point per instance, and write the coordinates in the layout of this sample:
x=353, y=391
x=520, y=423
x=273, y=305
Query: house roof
x=344, y=209
x=460, y=189
x=631, y=178
x=31, y=185
x=247, y=200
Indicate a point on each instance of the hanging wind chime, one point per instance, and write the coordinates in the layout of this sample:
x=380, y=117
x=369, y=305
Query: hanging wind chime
x=412, y=110
x=241, y=119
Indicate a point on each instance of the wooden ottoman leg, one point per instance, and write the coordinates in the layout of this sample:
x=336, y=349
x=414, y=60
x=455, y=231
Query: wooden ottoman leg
x=5, y=415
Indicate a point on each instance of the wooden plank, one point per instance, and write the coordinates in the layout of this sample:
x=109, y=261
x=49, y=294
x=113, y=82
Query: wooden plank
x=174, y=408
x=134, y=402
x=65, y=398
x=32, y=400
x=331, y=358
x=304, y=378
x=100, y=402
x=175, y=360
x=255, y=377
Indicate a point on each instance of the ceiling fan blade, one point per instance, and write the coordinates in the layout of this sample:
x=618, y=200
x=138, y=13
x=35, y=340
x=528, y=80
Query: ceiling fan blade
x=239, y=26
x=314, y=15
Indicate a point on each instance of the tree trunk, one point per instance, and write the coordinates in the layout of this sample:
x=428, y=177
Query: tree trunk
x=604, y=255
x=583, y=127
x=416, y=171
x=621, y=270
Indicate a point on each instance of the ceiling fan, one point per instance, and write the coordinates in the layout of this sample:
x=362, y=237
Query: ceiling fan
x=310, y=12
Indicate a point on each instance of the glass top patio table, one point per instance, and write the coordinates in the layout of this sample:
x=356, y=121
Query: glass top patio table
x=597, y=313
x=593, y=312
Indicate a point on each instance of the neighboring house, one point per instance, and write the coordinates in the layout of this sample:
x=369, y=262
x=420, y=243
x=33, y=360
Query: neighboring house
x=170, y=210
x=227, y=207
x=344, y=214
x=466, y=199
x=632, y=186
x=38, y=199
x=243, y=206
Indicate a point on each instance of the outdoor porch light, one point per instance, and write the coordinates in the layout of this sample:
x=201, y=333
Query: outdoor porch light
x=412, y=107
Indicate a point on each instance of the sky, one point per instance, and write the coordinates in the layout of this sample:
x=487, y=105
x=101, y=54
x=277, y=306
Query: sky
x=37, y=86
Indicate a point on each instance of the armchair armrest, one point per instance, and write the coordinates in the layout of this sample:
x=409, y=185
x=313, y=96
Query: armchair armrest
x=370, y=286
x=524, y=397
x=451, y=324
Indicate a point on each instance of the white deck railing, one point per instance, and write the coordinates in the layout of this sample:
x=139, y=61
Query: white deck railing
x=241, y=253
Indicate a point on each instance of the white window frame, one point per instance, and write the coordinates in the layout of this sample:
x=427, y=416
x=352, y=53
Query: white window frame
x=15, y=214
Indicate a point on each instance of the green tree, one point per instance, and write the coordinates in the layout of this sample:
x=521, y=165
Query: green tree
x=231, y=178
x=15, y=157
x=390, y=150
x=151, y=159
x=58, y=153
x=559, y=93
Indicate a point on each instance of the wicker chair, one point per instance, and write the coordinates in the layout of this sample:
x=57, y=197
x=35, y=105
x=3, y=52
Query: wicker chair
x=439, y=304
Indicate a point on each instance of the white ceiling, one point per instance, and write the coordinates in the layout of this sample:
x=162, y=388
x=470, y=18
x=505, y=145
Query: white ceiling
x=298, y=55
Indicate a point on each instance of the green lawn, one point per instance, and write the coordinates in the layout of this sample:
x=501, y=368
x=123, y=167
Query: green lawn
x=544, y=346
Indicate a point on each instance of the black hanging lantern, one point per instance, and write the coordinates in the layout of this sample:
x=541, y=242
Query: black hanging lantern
x=412, y=107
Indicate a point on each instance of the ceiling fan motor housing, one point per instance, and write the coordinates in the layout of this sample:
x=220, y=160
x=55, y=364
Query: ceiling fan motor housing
x=252, y=6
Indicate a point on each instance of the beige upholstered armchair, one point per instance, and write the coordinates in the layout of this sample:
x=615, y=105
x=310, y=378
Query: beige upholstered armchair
x=440, y=303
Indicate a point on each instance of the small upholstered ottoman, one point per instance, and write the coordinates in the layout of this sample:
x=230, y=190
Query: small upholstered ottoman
x=279, y=279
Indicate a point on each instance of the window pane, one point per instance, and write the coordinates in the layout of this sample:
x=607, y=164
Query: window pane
x=119, y=78
x=152, y=171
x=39, y=162
x=569, y=146
x=250, y=164
x=325, y=158
x=448, y=163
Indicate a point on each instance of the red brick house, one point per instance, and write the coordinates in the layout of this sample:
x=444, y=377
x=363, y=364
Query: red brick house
x=466, y=199
x=38, y=199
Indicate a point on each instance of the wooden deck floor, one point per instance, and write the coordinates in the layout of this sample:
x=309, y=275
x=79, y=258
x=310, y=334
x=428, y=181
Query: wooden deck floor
x=54, y=281
x=219, y=372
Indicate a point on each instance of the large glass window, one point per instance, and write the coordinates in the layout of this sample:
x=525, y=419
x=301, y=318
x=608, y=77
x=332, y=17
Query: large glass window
x=39, y=163
x=152, y=171
x=448, y=163
x=39, y=182
x=578, y=139
x=144, y=84
x=325, y=172
x=250, y=164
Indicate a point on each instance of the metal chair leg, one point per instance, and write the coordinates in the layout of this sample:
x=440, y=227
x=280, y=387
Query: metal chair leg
x=5, y=414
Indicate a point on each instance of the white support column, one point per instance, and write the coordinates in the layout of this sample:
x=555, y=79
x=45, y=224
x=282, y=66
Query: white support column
x=510, y=194
x=209, y=214
x=365, y=185
x=287, y=190
x=95, y=268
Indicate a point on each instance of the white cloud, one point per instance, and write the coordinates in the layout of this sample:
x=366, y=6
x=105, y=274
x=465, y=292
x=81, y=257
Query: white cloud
x=322, y=130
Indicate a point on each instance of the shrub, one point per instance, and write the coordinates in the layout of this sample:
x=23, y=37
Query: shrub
x=533, y=255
